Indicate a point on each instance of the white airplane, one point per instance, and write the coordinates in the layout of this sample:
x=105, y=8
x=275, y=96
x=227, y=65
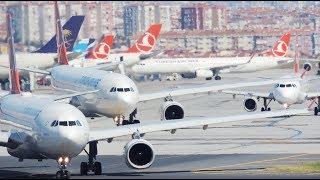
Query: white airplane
x=44, y=57
x=209, y=67
x=287, y=91
x=44, y=129
x=118, y=95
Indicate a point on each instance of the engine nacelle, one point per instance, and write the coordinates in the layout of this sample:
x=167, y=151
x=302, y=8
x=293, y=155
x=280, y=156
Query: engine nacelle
x=171, y=110
x=307, y=66
x=138, y=154
x=188, y=75
x=250, y=104
x=204, y=73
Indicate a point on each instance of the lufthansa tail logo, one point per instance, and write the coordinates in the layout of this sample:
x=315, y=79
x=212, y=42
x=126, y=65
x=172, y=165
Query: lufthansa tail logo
x=280, y=49
x=147, y=43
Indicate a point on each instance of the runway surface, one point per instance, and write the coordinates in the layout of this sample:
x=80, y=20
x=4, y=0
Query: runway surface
x=241, y=149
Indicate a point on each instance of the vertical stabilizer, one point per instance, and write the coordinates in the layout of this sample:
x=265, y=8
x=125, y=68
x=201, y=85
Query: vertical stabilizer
x=280, y=49
x=147, y=41
x=14, y=75
x=62, y=52
x=103, y=49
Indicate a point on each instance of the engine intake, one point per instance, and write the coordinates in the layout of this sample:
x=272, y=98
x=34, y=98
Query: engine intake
x=138, y=154
x=171, y=110
x=250, y=104
x=307, y=66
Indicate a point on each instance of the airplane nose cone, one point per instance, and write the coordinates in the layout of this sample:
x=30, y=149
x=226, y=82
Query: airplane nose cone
x=284, y=96
x=127, y=102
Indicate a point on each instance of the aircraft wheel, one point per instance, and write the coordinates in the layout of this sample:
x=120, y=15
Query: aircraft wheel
x=217, y=78
x=67, y=174
x=59, y=175
x=125, y=122
x=316, y=110
x=269, y=109
x=208, y=78
x=136, y=122
x=262, y=109
x=97, y=168
x=83, y=168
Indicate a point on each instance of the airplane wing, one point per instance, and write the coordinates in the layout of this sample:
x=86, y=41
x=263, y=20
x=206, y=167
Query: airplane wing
x=200, y=89
x=136, y=129
x=108, y=66
x=56, y=97
x=312, y=95
x=267, y=95
x=30, y=69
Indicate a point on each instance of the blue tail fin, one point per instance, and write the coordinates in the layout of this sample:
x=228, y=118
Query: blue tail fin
x=71, y=30
x=83, y=45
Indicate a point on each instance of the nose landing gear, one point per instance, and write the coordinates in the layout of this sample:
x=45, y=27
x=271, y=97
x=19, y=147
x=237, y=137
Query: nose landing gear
x=63, y=173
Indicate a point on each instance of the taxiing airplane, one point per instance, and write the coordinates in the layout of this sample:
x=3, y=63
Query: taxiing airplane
x=44, y=57
x=287, y=91
x=212, y=67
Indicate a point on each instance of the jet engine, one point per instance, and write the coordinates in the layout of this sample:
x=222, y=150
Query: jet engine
x=138, y=154
x=250, y=104
x=307, y=66
x=171, y=110
x=204, y=73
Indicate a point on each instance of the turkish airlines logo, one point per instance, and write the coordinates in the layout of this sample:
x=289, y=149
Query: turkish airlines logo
x=280, y=49
x=147, y=44
x=102, y=51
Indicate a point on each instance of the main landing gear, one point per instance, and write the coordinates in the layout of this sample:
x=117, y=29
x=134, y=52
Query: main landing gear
x=265, y=104
x=217, y=77
x=91, y=165
x=63, y=173
x=131, y=119
x=317, y=108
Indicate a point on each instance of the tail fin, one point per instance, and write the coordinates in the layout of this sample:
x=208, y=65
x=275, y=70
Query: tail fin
x=14, y=75
x=103, y=49
x=70, y=30
x=280, y=49
x=83, y=45
x=148, y=40
x=61, y=48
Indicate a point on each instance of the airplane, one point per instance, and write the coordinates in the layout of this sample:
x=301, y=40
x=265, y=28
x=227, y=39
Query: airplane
x=118, y=95
x=44, y=57
x=45, y=129
x=212, y=67
x=286, y=91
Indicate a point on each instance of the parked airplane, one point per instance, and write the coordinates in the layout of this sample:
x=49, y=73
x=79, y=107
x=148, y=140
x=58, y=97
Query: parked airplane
x=117, y=94
x=212, y=67
x=287, y=91
x=44, y=57
x=83, y=45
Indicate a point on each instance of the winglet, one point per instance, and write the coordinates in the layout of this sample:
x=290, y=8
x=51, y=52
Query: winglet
x=103, y=49
x=280, y=49
x=313, y=101
x=61, y=47
x=15, y=85
x=147, y=41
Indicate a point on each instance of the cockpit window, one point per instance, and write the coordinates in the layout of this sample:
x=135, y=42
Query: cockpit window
x=63, y=123
x=111, y=90
x=131, y=89
x=56, y=124
x=72, y=123
x=120, y=89
x=294, y=85
x=282, y=85
x=78, y=123
x=52, y=124
x=277, y=85
x=126, y=89
x=288, y=85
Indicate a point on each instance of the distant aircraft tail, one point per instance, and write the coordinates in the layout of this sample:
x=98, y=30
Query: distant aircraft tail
x=70, y=30
x=61, y=47
x=280, y=49
x=148, y=40
x=14, y=75
x=103, y=49
x=83, y=45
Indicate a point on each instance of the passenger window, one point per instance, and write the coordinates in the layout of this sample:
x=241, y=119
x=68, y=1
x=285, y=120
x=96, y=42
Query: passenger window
x=72, y=123
x=120, y=89
x=282, y=85
x=52, y=124
x=63, y=123
x=126, y=89
x=78, y=123
x=288, y=85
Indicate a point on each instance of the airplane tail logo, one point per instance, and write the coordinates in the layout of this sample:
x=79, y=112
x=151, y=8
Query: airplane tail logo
x=103, y=49
x=280, y=49
x=70, y=30
x=147, y=42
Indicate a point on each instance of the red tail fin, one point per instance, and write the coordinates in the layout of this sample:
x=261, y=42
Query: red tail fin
x=14, y=75
x=280, y=49
x=146, y=43
x=62, y=50
x=103, y=49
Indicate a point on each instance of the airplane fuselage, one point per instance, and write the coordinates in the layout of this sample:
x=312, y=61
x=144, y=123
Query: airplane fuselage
x=117, y=95
x=39, y=139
